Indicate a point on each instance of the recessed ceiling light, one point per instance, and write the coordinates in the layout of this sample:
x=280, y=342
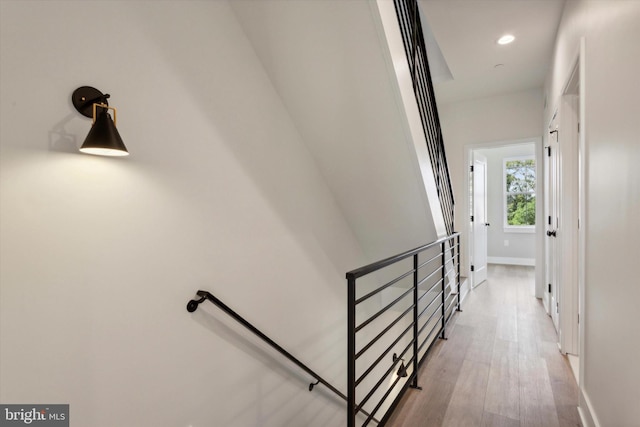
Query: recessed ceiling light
x=506, y=39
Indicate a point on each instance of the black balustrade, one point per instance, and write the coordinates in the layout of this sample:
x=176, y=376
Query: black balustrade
x=397, y=321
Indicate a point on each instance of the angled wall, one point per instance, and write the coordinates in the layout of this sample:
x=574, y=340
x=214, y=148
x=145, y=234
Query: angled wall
x=330, y=64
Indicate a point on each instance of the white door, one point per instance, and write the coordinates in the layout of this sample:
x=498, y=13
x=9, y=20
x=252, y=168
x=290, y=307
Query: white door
x=479, y=222
x=551, y=221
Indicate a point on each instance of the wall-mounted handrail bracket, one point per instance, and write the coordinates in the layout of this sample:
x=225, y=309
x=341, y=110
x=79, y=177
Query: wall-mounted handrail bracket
x=193, y=304
x=313, y=385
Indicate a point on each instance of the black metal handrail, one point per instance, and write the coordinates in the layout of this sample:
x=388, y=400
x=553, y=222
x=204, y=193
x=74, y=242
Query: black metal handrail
x=416, y=52
x=434, y=273
x=205, y=295
x=379, y=265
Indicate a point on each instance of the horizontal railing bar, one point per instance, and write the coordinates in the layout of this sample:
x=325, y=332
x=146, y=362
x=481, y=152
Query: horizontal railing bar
x=398, y=378
x=431, y=289
x=193, y=305
x=437, y=270
x=449, y=271
x=453, y=267
x=383, y=310
x=427, y=262
x=430, y=304
x=430, y=334
x=384, y=353
x=370, y=268
x=385, y=286
x=373, y=412
x=454, y=280
x=438, y=321
x=410, y=360
x=453, y=302
x=381, y=334
x=422, y=359
x=449, y=316
x=437, y=311
x=381, y=380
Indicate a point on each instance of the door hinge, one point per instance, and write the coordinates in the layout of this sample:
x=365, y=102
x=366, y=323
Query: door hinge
x=549, y=219
x=578, y=127
x=549, y=151
x=549, y=287
x=578, y=318
x=471, y=218
x=471, y=167
x=557, y=307
x=472, y=268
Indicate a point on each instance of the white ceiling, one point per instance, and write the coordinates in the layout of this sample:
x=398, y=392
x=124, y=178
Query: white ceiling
x=466, y=32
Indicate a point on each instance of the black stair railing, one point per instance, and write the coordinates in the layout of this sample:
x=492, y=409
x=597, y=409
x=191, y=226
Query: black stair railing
x=416, y=52
x=397, y=322
x=205, y=295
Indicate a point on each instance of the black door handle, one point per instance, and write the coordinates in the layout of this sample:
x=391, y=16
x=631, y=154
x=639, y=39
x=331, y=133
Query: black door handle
x=551, y=233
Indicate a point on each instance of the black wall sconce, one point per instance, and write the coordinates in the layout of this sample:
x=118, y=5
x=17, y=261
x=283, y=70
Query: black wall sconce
x=402, y=370
x=103, y=138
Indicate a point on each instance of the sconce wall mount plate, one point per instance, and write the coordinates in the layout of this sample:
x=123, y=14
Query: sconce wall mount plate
x=84, y=97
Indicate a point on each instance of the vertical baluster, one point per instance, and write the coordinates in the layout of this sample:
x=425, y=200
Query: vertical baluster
x=351, y=351
x=414, y=383
x=458, y=262
x=444, y=296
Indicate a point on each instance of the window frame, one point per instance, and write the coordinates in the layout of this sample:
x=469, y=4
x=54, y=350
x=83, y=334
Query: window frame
x=508, y=228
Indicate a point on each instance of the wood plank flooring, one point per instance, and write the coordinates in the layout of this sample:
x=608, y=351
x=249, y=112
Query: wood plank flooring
x=500, y=366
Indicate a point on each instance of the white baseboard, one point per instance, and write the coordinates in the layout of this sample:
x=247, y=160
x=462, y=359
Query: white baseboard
x=511, y=261
x=585, y=410
x=464, y=289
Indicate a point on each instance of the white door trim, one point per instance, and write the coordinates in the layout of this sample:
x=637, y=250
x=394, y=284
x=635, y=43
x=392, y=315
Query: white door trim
x=582, y=183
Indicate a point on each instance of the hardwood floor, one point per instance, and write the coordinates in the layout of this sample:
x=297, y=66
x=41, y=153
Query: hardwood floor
x=500, y=366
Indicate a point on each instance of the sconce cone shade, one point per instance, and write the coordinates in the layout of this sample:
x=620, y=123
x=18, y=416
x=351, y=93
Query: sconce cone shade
x=103, y=138
x=402, y=371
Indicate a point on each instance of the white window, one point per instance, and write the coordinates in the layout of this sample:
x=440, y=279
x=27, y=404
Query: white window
x=520, y=194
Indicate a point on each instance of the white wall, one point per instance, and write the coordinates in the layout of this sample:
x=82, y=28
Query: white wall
x=99, y=256
x=610, y=374
x=483, y=122
x=521, y=246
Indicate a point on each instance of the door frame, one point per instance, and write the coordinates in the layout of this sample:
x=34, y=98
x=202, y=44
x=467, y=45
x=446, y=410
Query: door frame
x=538, y=290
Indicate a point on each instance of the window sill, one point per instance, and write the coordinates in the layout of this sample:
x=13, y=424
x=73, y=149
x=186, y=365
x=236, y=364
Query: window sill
x=517, y=230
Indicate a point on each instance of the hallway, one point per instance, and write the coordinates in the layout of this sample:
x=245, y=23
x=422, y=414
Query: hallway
x=500, y=366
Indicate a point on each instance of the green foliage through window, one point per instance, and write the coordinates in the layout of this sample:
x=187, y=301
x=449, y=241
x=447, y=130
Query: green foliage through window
x=520, y=191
